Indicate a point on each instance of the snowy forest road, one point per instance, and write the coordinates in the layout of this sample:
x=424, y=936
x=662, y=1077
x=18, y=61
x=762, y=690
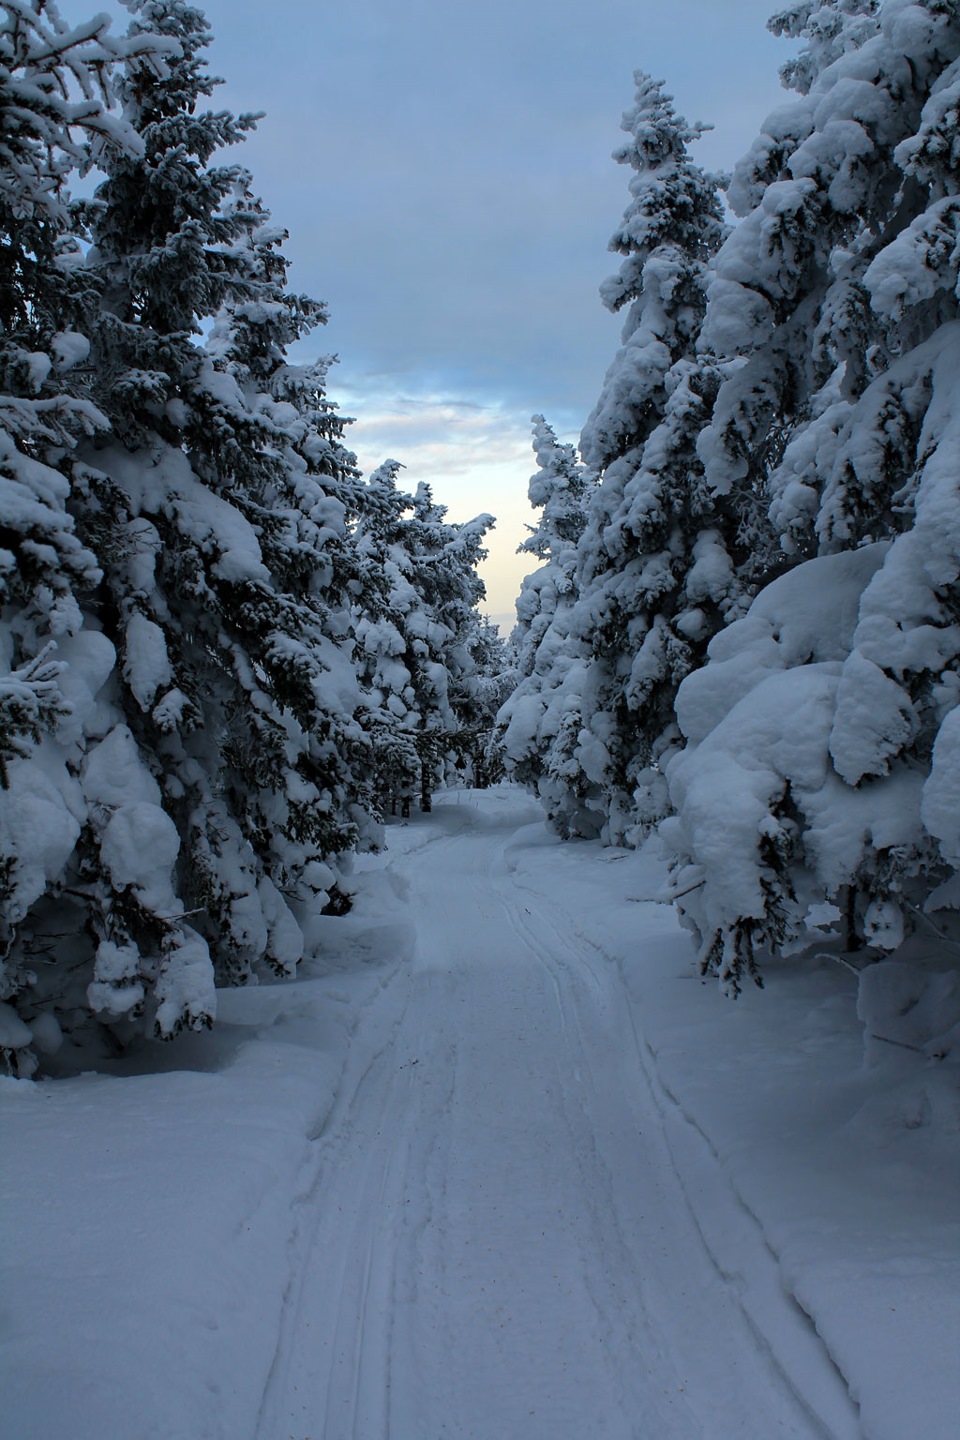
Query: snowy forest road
x=498, y=1241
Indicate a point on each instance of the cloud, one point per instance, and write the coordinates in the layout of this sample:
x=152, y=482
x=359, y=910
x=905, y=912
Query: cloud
x=444, y=172
x=468, y=452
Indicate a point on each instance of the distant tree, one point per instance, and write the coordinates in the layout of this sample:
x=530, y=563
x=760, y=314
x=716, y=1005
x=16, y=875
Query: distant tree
x=443, y=559
x=560, y=490
x=419, y=635
x=493, y=662
x=382, y=607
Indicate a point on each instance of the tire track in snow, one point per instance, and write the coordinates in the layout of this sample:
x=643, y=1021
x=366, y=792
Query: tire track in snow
x=500, y=1244
x=630, y=1330
x=744, y=1261
x=365, y=1068
x=509, y=1274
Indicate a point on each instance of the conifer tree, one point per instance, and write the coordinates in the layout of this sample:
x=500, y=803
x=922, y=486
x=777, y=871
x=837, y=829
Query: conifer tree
x=386, y=601
x=53, y=89
x=788, y=318
x=671, y=227
x=829, y=28
x=231, y=623
x=654, y=572
x=560, y=488
x=493, y=661
x=418, y=633
x=825, y=719
x=212, y=739
x=442, y=559
x=54, y=121
x=893, y=476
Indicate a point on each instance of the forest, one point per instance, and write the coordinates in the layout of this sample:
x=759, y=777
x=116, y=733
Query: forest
x=258, y=740
x=228, y=654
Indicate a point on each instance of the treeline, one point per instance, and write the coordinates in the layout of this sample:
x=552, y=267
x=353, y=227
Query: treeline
x=746, y=630
x=224, y=655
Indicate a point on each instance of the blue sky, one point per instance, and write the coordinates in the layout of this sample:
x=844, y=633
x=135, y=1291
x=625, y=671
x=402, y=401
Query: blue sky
x=444, y=172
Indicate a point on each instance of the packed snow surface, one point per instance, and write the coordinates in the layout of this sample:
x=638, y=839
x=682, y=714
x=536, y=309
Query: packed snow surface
x=494, y=1166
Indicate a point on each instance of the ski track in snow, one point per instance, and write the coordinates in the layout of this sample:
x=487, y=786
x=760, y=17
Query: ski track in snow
x=511, y=1230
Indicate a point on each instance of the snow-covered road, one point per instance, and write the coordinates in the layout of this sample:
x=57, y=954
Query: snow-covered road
x=496, y=1242
x=493, y=1167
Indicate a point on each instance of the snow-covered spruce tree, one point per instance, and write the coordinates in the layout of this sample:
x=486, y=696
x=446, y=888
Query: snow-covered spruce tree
x=671, y=227
x=560, y=488
x=829, y=28
x=788, y=319
x=45, y=125
x=656, y=572
x=493, y=659
x=212, y=693
x=895, y=731
x=442, y=559
x=825, y=743
x=54, y=82
x=228, y=506
x=417, y=630
x=385, y=602
x=275, y=447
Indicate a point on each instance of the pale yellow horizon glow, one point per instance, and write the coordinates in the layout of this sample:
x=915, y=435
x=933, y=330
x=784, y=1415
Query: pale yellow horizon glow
x=476, y=458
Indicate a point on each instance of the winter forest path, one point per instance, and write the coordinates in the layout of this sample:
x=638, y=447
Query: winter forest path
x=497, y=1242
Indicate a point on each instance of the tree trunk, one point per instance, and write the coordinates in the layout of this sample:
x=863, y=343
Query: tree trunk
x=853, y=940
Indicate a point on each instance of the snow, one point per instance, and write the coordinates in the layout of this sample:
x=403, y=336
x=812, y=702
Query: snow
x=32, y=497
x=139, y=847
x=69, y=348
x=185, y=989
x=138, y=840
x=163, y=483
x=940, y=807
x=494, y=1164
x=146, y=664
x=47, y=1035
x=13, y=1033
x=38, y=825
x=808, y=614
x=727, y=788
x=520, y=736
x=114, y=774
x=116, y=987
x=874, y=720
x=794, y=777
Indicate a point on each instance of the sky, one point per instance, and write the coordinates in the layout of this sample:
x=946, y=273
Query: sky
x=444, y=171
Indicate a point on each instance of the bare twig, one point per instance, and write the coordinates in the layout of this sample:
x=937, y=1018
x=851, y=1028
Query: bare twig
x=900, y=1044
x=922, y=915
x=666, y=897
